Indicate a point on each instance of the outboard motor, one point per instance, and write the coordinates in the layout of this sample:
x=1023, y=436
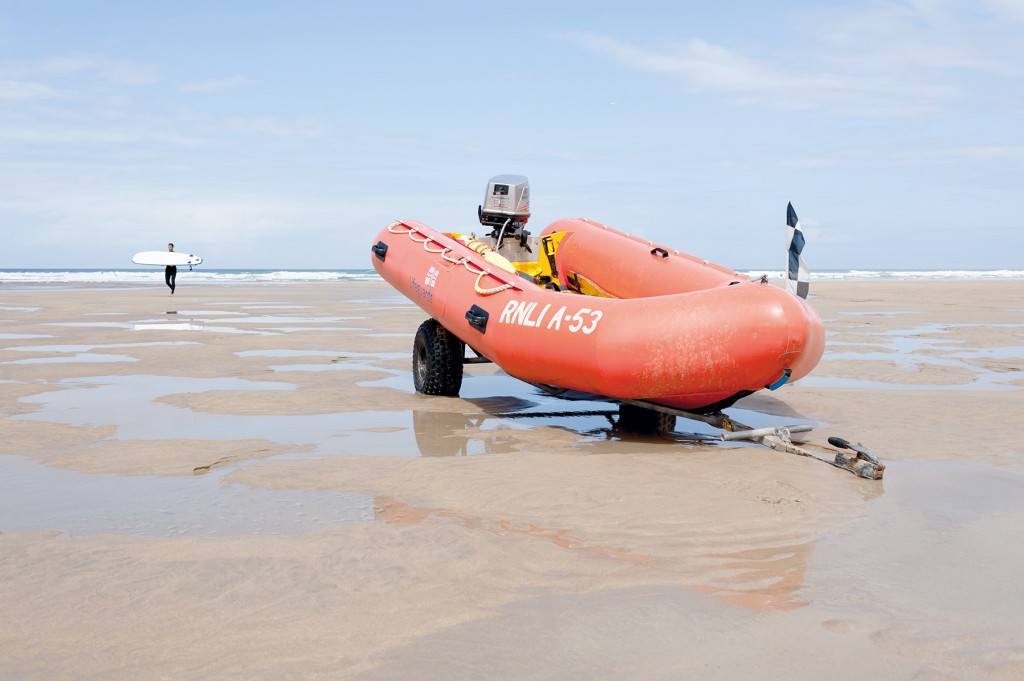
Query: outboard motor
x=506, y=208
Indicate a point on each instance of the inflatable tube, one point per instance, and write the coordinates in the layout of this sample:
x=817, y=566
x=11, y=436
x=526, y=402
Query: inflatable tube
x=670, y=328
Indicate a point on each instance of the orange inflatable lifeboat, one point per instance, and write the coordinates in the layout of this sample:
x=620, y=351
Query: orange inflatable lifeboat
x=598, y=311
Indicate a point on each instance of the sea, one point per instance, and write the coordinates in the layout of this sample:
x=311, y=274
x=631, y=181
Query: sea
x=230, y=276
x=198, y=274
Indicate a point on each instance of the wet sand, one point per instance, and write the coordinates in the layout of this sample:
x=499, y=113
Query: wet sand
x=239, y=482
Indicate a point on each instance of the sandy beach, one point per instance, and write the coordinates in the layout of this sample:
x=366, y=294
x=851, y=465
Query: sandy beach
x=239, y=482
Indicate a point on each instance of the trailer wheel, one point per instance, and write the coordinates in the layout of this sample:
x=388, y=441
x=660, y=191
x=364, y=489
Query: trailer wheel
x=634, y=419
x=437, y=360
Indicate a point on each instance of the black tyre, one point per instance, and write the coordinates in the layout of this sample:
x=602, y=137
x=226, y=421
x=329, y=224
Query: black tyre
x=634, y=419
x=437, y=360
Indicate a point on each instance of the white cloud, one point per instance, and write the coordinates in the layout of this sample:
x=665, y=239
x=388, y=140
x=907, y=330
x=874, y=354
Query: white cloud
x=247, y=229
x=62, y=100
x=1007, y=10
x=63, y=65
x=122, y=132
x=219, y=220
x=889, y=59
x=216, y=84
x=12, y=90
x=275, y=127
x=704, y=67
x=116, y=71
x=64, y=134
x=926, y=36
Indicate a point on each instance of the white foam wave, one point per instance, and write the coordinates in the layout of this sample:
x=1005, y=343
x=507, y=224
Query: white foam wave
x=150, y=276
x=895, y=275
x=155, y=275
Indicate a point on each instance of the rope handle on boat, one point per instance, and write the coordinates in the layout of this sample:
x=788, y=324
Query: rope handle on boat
x=444, y=251
x=489, y=291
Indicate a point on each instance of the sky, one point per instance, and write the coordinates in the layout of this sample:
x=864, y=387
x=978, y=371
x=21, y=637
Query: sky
x=285, y=135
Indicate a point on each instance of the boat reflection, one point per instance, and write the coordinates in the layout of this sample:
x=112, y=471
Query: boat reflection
x=507, y=424
x=760, y=578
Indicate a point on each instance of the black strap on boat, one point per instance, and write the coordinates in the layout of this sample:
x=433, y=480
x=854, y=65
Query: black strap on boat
x=380, y=250
x=548, y=245
x=729, y=401
x=477, y=318
x=572, y=281
x=722, y=404
x=659, y=251
x=479, y=359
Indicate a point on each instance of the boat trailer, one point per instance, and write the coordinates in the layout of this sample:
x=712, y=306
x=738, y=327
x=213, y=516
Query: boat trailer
x=860, y=462
x=854, y=458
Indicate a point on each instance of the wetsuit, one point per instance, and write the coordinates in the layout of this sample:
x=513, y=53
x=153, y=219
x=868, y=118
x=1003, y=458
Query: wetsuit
x=170, y=272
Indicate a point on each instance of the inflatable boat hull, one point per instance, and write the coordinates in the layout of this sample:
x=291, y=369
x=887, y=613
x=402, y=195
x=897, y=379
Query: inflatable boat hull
x=666, y=327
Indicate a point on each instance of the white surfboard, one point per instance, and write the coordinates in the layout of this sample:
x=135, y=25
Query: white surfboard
x=165, y=258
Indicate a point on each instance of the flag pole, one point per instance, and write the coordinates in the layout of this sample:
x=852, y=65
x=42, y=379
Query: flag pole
x=798, y=277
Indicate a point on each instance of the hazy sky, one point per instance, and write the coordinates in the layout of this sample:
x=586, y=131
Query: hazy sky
x=286, y=134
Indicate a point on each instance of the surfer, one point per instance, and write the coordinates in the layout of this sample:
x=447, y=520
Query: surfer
x=171, y=271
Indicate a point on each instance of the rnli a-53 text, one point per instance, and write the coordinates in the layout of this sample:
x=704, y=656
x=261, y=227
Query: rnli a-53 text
x=524, y=313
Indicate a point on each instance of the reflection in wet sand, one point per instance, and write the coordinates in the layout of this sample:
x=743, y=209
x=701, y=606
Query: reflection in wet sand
x=167, y=326
x=388, y=510
x=937, y=561
x=760, y=579
x=763, y=579
x=443, y=434
x=132, y=404
x=926, y=347
x=71, y=359
x=40, y=498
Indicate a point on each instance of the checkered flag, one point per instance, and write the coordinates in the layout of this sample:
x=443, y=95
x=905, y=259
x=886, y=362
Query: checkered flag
x=798, y=278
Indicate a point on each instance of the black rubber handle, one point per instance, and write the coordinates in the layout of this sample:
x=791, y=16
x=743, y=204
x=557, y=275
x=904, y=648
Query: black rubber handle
x=477, y=318
x=659, y=251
